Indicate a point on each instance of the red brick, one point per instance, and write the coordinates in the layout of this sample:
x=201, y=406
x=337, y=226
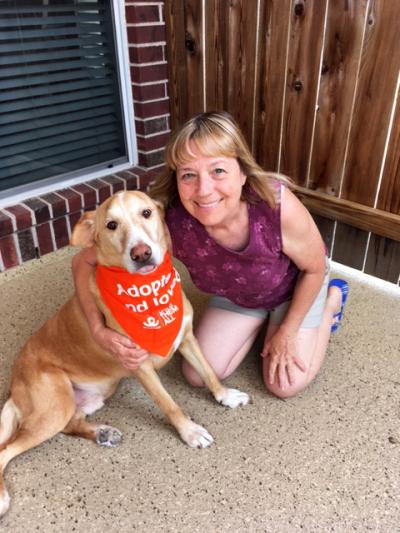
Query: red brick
x=130, y=179
x=149, y=92
x=8, y=252
x=6, y=225
x=151, y=109
x=129, y=173
x=26, y=245
x=89, y=195
x=40, y=210
x=147, y=180
x=149, y=73
x=22, y=215
x=157, y=170
x=132, y=184
x=146, y=54
x=137, y=14
x=146, y=34
x=58, y=204
x=61, y=232
x=103, y=189
x=117, y=184
x=152, y=143
x=155, y=125
x=44, y=238
x=139, y=127
x=73, y=219
x=74, y=199
x=151, y=159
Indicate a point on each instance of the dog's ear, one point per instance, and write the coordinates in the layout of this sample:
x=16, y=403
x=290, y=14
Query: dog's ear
x=161, y=209
x=84, y=230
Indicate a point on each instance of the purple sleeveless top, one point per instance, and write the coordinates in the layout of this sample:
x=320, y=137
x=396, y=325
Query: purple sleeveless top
x=259, y=276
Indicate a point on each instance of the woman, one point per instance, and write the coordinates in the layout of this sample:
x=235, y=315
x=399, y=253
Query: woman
x=246, y=239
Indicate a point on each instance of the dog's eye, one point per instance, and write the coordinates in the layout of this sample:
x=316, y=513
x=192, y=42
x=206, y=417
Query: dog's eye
x=112, y=225
x=146, y=213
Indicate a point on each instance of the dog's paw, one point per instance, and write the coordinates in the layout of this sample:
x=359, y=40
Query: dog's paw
x=233, y=398
x=4, y=502
x=196, y=436
x=108, y=436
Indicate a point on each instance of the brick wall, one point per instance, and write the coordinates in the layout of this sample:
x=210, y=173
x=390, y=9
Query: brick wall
x=147, y=54
x=43, y=224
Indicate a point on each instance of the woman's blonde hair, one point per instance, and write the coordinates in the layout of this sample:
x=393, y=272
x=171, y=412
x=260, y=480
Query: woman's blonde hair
x=215, y=134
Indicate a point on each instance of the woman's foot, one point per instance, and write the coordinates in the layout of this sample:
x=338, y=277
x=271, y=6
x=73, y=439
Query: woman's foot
x=338, y=290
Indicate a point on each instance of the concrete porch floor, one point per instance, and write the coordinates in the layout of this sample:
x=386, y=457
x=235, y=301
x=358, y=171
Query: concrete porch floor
x=327, y=460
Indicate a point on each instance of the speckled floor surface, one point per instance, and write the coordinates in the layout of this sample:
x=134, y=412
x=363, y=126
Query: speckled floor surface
x=328, y=460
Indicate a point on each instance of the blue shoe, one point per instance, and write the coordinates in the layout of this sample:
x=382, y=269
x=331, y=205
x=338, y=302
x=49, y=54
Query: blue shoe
x=344, y=289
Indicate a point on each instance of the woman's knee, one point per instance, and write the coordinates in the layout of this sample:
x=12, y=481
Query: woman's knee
x=302, y=380
x=286, y=392
x=193, y=378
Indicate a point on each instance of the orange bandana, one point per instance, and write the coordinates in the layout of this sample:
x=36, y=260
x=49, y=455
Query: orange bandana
x=148, y=307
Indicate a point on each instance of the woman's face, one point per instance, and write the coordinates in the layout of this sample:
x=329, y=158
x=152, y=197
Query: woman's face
x=210, y=187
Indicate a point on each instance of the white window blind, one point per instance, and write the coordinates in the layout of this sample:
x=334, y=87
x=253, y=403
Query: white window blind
x=60, y=94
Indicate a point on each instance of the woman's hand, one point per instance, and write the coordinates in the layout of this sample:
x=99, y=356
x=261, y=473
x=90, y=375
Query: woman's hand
x=129, y=354
x=283, y=358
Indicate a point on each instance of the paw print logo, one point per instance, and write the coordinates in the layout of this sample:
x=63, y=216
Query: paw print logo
x=151, y=323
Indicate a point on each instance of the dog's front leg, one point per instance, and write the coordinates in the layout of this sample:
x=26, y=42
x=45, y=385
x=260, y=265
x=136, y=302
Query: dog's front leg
x=191, y=351
x=194, y=435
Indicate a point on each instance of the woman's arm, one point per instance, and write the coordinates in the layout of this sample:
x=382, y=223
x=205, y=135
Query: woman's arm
x=83, y=265
x=124, y=349
x=302, y=242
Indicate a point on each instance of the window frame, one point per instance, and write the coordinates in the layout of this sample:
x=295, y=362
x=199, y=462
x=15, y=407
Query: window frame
x=17, y=194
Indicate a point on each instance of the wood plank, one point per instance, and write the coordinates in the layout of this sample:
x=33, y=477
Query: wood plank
x=233, y=65
x=176, y=58
x=326, y=228
x=383, y=259
x=389, y=194
x=342, y=48
x=193, y=87
x=374, y=99
x=349, y=246
x=216, y=53
x=258, y=73
x=305, y=45
x=274, y=29
x=380, y=222
x=240, y=65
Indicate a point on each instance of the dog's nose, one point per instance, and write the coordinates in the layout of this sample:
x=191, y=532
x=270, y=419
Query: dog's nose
x=141, y=253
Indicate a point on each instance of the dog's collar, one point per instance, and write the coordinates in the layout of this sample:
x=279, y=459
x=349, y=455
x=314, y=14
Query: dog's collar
x=148, y=307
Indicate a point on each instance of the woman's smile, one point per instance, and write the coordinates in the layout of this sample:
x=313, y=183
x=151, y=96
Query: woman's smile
x=208, y=205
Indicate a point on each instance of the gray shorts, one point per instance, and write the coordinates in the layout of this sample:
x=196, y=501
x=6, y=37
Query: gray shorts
x=312, y=319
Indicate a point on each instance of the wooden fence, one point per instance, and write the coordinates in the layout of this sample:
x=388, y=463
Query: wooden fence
x=314, y=86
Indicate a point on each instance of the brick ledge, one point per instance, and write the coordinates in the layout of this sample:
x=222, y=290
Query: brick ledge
x=43, y=224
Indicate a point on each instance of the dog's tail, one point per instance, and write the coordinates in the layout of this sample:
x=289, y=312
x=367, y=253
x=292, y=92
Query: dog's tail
x=9, y=422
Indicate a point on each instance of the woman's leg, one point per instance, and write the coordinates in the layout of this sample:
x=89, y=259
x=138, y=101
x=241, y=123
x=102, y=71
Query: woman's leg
x=311, y=345
x=225, y=338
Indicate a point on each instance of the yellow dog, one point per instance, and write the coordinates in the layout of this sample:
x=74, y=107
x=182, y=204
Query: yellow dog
x=62, y=375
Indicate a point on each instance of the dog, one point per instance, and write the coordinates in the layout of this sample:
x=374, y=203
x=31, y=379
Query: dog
x=62, y=375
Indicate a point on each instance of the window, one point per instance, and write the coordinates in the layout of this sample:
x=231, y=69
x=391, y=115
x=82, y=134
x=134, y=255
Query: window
x=64, y=100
